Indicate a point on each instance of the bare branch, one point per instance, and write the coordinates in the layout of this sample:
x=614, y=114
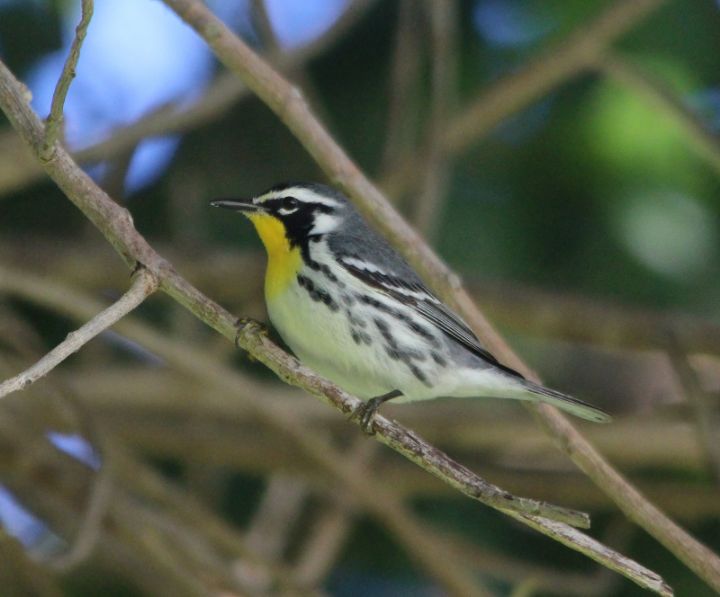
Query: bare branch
x=55, y=119
x=143, y=285
x=376, y=498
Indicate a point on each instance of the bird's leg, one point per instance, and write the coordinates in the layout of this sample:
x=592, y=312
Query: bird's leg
x=366, y=411
x=243, y=323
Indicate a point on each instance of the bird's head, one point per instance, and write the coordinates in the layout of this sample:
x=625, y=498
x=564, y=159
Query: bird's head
x=289, y=215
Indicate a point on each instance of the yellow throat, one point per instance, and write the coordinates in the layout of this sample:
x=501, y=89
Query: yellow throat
x=284, y=261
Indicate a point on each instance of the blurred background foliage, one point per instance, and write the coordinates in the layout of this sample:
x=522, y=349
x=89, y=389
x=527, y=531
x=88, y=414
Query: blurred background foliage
x=586, y=213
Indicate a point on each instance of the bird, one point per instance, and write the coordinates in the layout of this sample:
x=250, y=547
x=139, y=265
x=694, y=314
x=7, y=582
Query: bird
x=351, y=308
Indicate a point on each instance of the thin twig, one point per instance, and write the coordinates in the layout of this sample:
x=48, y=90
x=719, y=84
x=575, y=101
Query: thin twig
x=143, y=285
x=55, y=119
x=264, y=27
x=706, y=418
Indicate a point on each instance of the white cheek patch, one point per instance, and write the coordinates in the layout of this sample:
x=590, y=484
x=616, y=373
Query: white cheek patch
x=324, y=223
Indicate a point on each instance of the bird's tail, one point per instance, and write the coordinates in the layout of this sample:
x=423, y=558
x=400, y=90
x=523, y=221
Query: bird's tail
x=564, y=402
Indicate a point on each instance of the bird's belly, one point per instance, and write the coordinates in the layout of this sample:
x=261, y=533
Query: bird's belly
x=322, y=337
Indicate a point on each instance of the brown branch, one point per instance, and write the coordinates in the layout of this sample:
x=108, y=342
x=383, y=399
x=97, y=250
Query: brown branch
x=376, y=498
x=143, y=285
x=287, y=103
x=55, y=119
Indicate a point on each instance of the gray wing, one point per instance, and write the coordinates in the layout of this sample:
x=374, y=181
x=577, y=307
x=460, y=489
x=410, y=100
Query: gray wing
x=404, y=285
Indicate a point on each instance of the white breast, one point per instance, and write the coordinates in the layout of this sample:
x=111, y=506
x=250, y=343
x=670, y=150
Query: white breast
x=323, y=320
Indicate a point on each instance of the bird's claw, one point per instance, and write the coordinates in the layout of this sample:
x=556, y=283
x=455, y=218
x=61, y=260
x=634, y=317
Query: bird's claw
x=248, y=325
x=365, y=414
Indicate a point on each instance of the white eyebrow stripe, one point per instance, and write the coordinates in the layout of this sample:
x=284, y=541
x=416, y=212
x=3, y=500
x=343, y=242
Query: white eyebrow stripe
x=301, y=194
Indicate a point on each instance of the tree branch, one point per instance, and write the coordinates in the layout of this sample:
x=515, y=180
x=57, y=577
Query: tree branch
x=375, y=497
x=143, y=285
x=55, y=119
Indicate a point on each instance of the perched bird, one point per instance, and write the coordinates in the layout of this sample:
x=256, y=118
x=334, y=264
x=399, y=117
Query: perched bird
x=352, y=309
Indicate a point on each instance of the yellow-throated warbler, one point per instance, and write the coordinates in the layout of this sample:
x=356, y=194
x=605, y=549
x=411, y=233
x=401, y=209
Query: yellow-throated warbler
x=354, y=311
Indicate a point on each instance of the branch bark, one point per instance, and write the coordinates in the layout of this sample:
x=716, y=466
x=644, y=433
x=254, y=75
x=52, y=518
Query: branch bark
x=55, y=119
x=143, y=285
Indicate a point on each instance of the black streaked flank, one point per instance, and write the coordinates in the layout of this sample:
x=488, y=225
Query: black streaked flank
x=317, y=294
x=396, y=353
x=414, y=326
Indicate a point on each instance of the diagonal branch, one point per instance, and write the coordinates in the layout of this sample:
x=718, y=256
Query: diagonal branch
x=374, y=496
x=287, y=102
x=55, y=119
x=143, y=286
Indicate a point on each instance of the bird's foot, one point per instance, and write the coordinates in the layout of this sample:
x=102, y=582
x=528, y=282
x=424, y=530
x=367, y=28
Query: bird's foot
x=248, y=325
x=365, y=412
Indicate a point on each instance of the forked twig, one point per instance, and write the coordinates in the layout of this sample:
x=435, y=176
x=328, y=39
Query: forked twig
x=144, y=284
x=55, y=118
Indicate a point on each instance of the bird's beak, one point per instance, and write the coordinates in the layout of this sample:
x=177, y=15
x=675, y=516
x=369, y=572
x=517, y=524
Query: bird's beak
x=247, y=207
